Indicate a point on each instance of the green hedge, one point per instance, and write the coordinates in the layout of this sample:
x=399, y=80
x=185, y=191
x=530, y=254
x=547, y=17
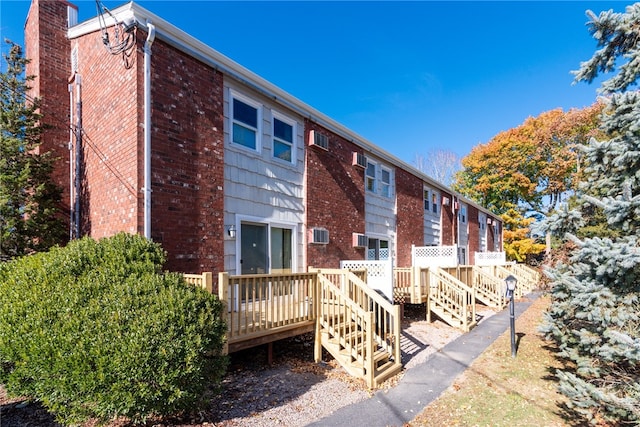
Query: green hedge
x=96, y=330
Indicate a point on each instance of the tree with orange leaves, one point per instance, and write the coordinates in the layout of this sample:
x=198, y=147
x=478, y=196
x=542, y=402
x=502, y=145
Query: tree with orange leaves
x=530, y=169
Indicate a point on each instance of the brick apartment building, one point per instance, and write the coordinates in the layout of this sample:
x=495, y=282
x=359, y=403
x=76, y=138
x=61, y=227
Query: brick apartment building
x=161, y=135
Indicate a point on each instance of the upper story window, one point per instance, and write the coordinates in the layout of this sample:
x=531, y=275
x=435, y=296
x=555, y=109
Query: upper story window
x=245, y=118
x=284, y=131
x=378, y=179
x=434, y=201
x=463, y=214
x=385, y=182
x=431, y=198
x=370, y=177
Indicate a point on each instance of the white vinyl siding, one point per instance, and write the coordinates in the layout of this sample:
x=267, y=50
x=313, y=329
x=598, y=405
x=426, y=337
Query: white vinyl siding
x=380, y=213
x=431, y=200
x=482, y=230
x=259, y=188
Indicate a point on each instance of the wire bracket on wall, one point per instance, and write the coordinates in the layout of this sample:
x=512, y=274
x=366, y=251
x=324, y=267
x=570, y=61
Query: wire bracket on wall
x=122, y=39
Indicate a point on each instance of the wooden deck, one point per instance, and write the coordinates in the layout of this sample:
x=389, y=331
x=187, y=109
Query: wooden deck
x=354, y=323
x=264, y=308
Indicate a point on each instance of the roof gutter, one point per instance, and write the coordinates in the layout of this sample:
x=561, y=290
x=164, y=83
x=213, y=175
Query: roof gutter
x=181, y=40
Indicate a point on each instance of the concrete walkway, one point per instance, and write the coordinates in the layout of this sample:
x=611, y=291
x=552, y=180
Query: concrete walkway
x=422, y=384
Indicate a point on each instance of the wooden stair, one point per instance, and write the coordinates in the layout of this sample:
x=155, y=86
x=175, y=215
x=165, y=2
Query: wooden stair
x=358, y=328
x=350, y=351
x=451, y=300
x=490, y=290
x=450, y=319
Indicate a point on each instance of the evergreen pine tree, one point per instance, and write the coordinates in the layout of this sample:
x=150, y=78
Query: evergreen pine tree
x=595, y=313
x=29, y=200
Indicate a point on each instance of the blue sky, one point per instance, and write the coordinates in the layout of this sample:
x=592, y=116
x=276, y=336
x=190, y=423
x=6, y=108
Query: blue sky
x=410, y=77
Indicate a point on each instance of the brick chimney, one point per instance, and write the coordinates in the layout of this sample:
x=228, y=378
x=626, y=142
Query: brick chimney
x=49, y=50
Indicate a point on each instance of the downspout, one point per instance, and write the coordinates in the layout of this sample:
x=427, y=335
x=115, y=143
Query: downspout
x=79, y=155
x=151, y=34
x=71, y=161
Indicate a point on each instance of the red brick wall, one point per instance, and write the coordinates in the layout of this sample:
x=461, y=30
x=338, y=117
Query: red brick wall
x=474, y=233
x=335, y=199
x=410, y=216
x=187, y=139
x=111, y=186
x=188, y=160
x=48, y=48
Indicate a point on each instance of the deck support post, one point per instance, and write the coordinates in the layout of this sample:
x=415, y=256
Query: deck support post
x=270, y=353
x=317, y=350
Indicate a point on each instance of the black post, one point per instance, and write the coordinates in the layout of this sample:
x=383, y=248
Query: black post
x=512, y=318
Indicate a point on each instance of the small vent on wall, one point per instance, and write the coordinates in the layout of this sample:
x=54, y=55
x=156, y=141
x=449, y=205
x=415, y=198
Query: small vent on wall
x=359, y=159
x=319, y=140
x=360, y=240
x=489, y=221
x=319, y=236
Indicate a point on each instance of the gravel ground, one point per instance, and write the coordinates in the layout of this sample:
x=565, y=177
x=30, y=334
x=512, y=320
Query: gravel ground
x=293, y=391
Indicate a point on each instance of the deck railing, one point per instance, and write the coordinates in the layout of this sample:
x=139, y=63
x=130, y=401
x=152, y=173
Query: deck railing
x=529, y=277
x=204, y=280
x=260, y=306
x=524, y=285
x=410, y=285
x=490, y=290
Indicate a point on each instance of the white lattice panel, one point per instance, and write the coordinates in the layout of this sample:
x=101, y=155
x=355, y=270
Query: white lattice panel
x=490, y=258
x=379, y=274
x=435, y=256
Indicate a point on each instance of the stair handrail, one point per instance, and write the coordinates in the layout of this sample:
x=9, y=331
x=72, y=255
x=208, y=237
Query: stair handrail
x=466, y=313
x=530, y=275
x=387, y=322
x=489, y=285
x=503, y=271
x=342, y=317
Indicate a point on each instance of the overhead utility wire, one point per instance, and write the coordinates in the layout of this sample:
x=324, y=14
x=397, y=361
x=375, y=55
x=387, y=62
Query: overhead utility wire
x=92, y=145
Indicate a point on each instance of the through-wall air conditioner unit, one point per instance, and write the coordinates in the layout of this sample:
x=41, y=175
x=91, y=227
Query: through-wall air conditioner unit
x=445, y=201
x=359, y=159
x=319, y=236
x=360, y=240
x=318, y=140
x=489, y=221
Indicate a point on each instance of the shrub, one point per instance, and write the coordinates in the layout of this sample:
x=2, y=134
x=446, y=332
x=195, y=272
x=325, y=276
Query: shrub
x=96, y=330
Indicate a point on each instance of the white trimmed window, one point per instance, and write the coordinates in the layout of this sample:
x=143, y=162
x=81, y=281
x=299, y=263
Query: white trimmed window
x=284, y=132
x=463, y=214
x=431, y=198
x=246, y=116
x=378, y=179
x=435, y=196
x=385, y=182
x=370, y=176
